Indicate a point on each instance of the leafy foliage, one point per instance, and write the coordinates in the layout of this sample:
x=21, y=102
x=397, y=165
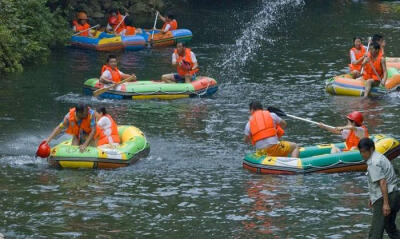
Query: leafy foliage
x=28, y=29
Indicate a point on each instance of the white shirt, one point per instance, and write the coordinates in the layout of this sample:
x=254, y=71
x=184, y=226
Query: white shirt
x=359, y=131
x=379, y=167
x=268, y=142
x=175, y=57
x=107, y=74
x=105, y=124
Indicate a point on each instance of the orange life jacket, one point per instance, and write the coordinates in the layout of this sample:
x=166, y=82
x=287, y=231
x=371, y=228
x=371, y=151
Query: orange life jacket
x=369, y=72
x=173, y=25
x=115, y=76
x=358, y=54
x=130, y=31
x=181, y=70
x=279, y=131
x=261, y=126
x=102, y=138
x=74, y=128
x=79, y=27
x=352, y=140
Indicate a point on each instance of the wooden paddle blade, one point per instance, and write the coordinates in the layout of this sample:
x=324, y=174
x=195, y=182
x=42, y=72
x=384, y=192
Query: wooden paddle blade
x=101, y=91
x=276, y=111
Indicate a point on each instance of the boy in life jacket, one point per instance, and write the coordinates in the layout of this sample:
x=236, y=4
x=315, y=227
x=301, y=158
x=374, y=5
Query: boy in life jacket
x=261, y=131
x=80, y=123
x=186, y=65
x=82, y=25
x=169, y=23
x=106, y=129
x=110, y=73
x=375, y=72
x=357, y=54
x=352, y=133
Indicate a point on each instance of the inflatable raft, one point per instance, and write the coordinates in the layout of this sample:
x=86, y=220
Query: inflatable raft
x=133, y=146
x=345, y=85
x=109, y=42
x=168, y=39
x=318, y=159
x=139, y=90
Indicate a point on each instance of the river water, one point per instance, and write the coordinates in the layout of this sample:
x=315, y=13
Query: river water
x=192, y=184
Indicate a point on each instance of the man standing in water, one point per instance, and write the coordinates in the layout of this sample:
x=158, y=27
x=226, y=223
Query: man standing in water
x=261, y=131
x=383, y=191
x=79, y=122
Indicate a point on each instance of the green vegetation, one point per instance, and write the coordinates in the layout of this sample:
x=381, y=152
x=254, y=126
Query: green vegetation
x=28, y=29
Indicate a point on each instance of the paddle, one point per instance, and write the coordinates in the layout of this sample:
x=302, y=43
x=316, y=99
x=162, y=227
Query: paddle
x=281, y=113
x=85, y=30
x=362, y=68
x=104, y=89
x=154, y=28
x=119, y=24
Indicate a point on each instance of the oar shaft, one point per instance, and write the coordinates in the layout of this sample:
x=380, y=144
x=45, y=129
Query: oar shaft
x=154, y=26
x=85, y=30
x=362, y=68
x=119, y=24
x=307, y=120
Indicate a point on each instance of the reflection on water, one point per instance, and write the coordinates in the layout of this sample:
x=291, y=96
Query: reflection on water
x=192, y=183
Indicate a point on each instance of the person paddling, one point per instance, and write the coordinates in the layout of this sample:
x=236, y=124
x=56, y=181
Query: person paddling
x=81, y=24
x=106, y=129
x=262, y=132
x=110, y=73
x=119, y=25
x=170, y=23
x=352, y=133
x=375, y=72
x=357, y=54
x=80, y=123
x=186, y=65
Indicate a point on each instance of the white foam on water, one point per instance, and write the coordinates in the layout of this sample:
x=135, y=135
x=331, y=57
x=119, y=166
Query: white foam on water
x=255, y=32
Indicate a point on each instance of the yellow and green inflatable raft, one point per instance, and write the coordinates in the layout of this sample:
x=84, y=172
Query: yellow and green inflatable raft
x=319, y=159
x=133, y=146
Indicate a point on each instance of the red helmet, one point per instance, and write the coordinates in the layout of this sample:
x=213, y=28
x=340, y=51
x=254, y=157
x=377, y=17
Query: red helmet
x=356, y=116
x=43, y=150
x=113, y=20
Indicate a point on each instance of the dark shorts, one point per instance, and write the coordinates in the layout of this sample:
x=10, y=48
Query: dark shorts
x=181, y=79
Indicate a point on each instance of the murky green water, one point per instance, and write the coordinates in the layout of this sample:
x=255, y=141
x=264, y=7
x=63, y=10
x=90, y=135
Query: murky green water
x=192, y=184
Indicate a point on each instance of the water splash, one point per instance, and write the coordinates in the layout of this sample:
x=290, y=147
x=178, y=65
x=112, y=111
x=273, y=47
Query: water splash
x=256, y=31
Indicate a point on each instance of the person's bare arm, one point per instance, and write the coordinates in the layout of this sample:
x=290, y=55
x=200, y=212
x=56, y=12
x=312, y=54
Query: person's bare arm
x=88, y=139
x=57, y=130
x=386, y=207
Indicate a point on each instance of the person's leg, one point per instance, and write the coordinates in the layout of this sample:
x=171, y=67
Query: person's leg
x=390, y=221
x=188, y=78
x=284, y=149
x=377, y=225
x=294, y=150
x=368, y=85
x=355, y=74
x=75, y=141
x=168, y=78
